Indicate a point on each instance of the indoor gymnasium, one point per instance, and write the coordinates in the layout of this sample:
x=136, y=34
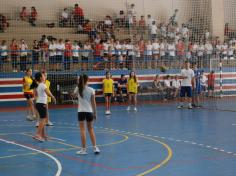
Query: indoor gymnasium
x=118, y=88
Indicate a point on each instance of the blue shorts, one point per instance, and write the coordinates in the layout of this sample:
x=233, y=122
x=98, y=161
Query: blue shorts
x=186, y=90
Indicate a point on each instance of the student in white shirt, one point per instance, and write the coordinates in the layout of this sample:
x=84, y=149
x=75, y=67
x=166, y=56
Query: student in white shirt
x=4, y=57
x=176, y=85
x=209, y=51
x=60, y=48
x=153, y=30
x=225, y=50
x=231, y=51
x=52, y=55
x=156, y=52
x=187, y=83
x=86, y=112
x=130, y=59
x=23, y=55
x=85, y=55
x=75, y=55
x=171, y=48
x=42, y=93
x=200, y=54
x=148, y=54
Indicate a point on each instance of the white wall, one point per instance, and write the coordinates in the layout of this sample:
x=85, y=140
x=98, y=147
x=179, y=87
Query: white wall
x=230, y=12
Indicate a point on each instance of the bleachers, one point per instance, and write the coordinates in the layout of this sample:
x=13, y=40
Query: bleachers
x=21, y=30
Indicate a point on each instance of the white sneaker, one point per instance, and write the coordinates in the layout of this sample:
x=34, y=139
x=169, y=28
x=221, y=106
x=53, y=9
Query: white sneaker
x=29, y=118
x=49, y=123
x=109, y=112
x=135, y=109
x=180, y=106
x=128, y=108
x=37, y=124
x=82, y=152
x=96, y=150
x=190, y=106
x=106, y=112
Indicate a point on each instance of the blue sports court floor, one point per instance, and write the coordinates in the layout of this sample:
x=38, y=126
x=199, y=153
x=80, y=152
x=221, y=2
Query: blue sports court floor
x=158, y=140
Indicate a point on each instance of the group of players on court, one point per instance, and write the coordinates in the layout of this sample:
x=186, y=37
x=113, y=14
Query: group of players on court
x=38, y=95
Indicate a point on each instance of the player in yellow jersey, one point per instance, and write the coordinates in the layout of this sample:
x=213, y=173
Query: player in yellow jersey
x=108, y=91
x=28, y=94
x=132, y=89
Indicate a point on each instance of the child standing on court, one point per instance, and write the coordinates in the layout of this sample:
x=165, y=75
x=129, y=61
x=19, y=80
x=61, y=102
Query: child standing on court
x=28, y=94
x=132, y=90
x=108, y=91
x=86, y=112
x=41, y=105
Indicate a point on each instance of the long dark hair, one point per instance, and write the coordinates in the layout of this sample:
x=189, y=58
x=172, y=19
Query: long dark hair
x=130, y=76
x=37, y=78
x=83, y=79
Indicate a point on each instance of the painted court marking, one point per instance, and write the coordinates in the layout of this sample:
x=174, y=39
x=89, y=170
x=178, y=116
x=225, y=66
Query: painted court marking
x=59, y=167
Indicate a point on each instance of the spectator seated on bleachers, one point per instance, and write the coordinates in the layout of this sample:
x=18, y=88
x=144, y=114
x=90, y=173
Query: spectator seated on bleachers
x=3, y=23
x=122, y=88
x=24, y=16
x=64, y=18
x=33, y=16
x=108, y=24
x=169, y=89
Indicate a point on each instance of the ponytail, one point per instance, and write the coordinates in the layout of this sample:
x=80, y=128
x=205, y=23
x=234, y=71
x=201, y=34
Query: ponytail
x=82, y=82
x=37, y=78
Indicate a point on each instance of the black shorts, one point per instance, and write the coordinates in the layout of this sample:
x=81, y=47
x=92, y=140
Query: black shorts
x=186, y=90
x=108, y=94
x=42, y=110
x=88, y=116
x=28, y=96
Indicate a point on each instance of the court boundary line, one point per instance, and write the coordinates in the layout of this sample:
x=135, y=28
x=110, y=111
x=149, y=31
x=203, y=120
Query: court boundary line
x=59, y=166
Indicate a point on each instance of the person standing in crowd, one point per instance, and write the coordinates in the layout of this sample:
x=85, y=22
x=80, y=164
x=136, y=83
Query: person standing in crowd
x=14, y=54
x=132, y=89
x=28, y=94
x=211, y=83
x=188, y=82
x=108, y=91
x=197, y=88
x=41, y=105
x=4, y=62
x=87, y=111
x=67, y=55
x=23, y=55
x=36, y=53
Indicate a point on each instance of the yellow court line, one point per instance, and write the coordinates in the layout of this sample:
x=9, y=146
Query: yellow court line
x=167, y=159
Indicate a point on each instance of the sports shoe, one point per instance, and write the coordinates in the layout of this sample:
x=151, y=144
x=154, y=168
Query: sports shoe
x=135, y=109
x=38, y=138
x=190, y=106
x=180, y=106
x=128, y=108
x=49, y=123
x=34, y=117
x=37, y=124
x=82, y=152
x=29, y=118
x=96, y=150
x=107, y=112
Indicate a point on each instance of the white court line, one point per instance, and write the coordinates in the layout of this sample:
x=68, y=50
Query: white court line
x=59, y=167
x=234, y=124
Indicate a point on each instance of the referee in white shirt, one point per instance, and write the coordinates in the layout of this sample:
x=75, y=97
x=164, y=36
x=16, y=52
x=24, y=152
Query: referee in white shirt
x=187, y=84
